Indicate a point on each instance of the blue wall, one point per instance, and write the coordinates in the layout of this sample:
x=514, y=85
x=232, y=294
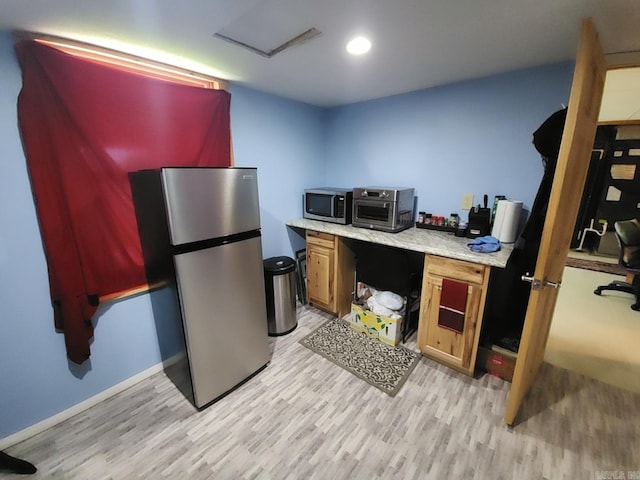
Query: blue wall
x=472, y=137
x=286, y=141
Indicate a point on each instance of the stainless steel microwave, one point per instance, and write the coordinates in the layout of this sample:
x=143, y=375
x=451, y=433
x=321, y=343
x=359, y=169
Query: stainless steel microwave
x=328, y=204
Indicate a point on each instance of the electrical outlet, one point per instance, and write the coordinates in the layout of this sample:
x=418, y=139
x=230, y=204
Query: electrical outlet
x=467, y=201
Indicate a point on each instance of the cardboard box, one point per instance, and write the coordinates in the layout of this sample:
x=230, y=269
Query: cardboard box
x=385, y=329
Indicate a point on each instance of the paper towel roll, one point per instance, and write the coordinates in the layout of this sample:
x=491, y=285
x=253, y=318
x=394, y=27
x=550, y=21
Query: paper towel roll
x=505, y=225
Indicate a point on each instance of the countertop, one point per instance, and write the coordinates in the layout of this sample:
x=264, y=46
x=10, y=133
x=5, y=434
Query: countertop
x=430, y=242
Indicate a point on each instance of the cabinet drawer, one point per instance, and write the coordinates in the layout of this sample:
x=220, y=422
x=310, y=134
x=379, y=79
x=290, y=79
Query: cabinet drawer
x=321, y=239
x=455, y=269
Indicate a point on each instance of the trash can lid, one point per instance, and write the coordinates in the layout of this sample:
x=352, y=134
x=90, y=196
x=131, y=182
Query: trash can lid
x=279, y=265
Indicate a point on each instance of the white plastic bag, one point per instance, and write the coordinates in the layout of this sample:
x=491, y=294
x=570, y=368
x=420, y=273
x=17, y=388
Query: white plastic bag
x=391, y=300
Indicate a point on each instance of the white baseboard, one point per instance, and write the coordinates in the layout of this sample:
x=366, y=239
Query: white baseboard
x=84, y=405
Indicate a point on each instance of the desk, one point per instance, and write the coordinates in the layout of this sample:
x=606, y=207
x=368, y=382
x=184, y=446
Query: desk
x=446, y=257
x=430, y=242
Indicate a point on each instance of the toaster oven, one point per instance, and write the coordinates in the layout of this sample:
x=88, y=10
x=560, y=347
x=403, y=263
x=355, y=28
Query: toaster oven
x=388, y=209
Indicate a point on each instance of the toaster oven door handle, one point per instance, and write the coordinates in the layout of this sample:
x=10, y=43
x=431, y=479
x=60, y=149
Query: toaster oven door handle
x=372, y=203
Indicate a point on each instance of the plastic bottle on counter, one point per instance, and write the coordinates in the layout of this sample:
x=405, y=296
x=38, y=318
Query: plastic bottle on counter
x=422, y=216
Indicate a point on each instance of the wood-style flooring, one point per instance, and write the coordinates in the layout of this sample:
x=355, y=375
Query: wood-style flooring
x=305, y=418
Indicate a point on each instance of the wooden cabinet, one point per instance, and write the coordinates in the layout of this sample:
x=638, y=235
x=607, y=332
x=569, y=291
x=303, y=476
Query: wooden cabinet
x=457, y=349
x=330, y=272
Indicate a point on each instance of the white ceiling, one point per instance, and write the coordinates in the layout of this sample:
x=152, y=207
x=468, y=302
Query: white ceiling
x=416, y=43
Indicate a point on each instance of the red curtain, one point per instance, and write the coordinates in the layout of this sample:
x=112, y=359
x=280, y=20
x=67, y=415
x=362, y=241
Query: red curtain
x=84, y=127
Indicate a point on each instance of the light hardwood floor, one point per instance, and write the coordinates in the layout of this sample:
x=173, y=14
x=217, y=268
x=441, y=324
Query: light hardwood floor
x=305, y=418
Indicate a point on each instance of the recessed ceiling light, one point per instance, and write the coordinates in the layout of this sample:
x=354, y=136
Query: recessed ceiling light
x=358, y=46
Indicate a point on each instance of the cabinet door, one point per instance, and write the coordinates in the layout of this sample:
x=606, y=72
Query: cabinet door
x=320, y=275
x=457, y=350
x=443, y=344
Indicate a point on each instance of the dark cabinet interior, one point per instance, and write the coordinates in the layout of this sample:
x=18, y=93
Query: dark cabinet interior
x=393, y=269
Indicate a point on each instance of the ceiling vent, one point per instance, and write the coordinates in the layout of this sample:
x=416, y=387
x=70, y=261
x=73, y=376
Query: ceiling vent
x=268, y=53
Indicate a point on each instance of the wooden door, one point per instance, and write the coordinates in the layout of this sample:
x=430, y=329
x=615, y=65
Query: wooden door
x=568, y=183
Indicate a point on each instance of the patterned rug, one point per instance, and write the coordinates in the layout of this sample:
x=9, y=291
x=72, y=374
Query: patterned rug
x=381, y=365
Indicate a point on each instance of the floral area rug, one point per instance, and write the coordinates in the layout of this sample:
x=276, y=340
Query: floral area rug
x=381, y=365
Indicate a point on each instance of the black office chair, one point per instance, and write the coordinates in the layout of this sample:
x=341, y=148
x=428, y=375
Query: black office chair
x=628, y=236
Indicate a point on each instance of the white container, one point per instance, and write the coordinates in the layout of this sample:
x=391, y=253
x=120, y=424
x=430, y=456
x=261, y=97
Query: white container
x=507, y=221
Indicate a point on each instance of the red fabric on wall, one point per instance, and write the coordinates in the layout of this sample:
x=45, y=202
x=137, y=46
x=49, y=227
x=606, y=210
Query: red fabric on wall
x=84, y=127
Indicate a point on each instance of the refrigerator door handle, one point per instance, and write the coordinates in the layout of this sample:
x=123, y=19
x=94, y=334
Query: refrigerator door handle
x=214, y=242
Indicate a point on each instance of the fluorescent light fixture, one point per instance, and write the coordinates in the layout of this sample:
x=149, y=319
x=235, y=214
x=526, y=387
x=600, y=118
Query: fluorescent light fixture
x=358, y=46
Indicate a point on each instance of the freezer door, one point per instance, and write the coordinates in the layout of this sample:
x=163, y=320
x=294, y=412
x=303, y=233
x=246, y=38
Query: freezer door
x=205, y=203
x=222, y=298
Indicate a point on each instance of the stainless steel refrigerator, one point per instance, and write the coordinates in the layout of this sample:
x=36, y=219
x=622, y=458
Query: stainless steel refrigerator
x=200, y=229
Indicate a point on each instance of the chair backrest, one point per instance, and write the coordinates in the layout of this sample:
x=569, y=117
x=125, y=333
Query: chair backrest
x=628, y=236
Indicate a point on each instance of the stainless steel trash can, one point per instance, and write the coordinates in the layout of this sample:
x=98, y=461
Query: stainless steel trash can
x=280, y=290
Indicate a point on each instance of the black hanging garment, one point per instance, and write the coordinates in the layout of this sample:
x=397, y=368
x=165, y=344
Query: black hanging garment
x=546, y=140
x=508, y=295
x=15, y=465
